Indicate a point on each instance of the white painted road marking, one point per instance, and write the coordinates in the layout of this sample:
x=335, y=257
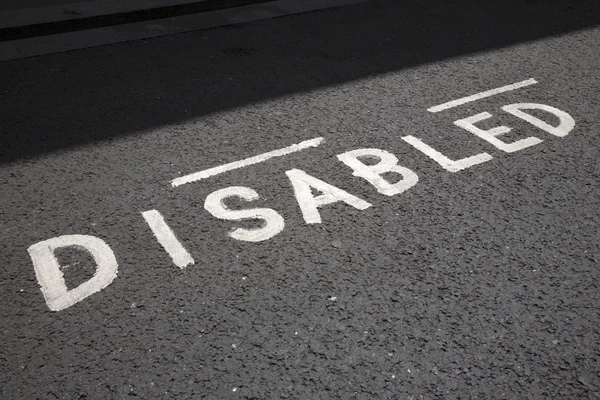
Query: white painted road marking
x=50, y=277
x=303, y=184
x=387, y=162
x=481, y=95
x=274, y=222
x=167, y=239
x=310, y=192
x=446, y=163
x=566, y=125
x=491, y=135
x=207, y=173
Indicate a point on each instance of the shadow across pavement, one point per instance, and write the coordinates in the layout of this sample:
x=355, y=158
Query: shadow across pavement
x=71, y=99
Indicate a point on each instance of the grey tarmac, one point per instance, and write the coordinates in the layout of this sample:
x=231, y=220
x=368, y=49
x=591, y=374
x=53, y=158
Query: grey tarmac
x=481, y=283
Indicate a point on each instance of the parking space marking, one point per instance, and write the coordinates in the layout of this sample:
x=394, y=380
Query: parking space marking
x=207, y=173
x=311, y=193
x=481, y=95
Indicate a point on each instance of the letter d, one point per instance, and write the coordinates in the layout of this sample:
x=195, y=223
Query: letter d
x=50, y=277
x=566, y=125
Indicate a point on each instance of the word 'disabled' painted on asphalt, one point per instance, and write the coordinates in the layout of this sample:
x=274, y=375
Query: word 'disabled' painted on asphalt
x=47, y=267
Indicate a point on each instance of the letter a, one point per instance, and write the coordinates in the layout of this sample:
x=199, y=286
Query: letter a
x=309, y=204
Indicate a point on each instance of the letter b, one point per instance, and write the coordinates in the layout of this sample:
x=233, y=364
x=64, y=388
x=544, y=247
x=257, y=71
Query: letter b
x=387, y=162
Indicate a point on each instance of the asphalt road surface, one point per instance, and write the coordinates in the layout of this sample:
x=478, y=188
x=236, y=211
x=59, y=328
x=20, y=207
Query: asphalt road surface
x=20, y=4
x=404, y=273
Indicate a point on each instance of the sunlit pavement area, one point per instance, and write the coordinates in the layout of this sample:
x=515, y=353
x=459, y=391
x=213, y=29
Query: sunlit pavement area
x=384, y=200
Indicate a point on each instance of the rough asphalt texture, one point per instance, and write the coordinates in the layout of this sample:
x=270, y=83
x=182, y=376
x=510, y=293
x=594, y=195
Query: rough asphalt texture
x=480, y=284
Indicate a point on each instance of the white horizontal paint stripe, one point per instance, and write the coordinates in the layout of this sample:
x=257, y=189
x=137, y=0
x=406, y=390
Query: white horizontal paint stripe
x=481, y=95
x=207, y=173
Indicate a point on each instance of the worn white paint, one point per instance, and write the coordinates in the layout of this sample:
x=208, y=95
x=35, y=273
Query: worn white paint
x=273, y=221
x=447, y=163
x=566, y=125
x=491, y=135
x=167, y=239
x=50, y=277
x=196, y=176
x=372, y=173
x=481, y=95
x=303, y=184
